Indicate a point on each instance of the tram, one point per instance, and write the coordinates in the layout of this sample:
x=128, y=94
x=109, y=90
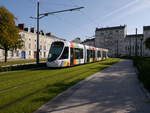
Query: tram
x=64, y=53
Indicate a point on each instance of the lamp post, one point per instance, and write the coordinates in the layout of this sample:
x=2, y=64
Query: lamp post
x=37, y=53
x=136, y=49
x=117, y=48
x=40, y=16
x=130, y=47
x=141, y=46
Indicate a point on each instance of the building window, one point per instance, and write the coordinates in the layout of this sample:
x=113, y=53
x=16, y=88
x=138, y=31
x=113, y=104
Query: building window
x=3, y=53
x=133, y=48
x=44, y=54
x=40, y=47
x=29, y=46
x=17, y=53
x=41, y=53
x=35, y=46
x=23, y=35
x=12, y=53
x=29, y=52
x=110, y=33
x=44, y=47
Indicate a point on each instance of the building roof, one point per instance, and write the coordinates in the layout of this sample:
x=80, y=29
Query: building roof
x=87, y=40
x=146, y=28
x=134, y=35
x=57, y=37
x=111, y=28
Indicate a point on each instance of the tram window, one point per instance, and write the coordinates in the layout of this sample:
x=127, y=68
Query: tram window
x=88, y=53
x=93, y=53
x=99, y=54
x=65, y=53
x=55, y=51
x=104, y=54
x=71, y=52
x=78, y=53
x=81, y=53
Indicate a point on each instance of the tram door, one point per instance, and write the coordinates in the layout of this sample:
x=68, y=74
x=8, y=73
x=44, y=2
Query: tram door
x=88, y=55
x=71, y=56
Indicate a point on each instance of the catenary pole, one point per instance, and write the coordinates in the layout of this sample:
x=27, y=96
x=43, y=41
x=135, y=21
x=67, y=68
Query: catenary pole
x=37, y=53
x=136, y=49
x=40, y=16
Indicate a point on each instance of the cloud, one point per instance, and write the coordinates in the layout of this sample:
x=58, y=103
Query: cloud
x=139, y=6
x=112, y=13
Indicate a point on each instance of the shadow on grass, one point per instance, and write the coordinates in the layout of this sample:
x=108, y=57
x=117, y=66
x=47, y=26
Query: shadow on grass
x=55, y=90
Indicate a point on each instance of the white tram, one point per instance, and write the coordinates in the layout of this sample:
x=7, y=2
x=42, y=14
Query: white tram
x=64, y=53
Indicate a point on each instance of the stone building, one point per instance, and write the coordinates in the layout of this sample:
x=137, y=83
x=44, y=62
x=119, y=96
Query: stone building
x=29, y=37
x=146, y=33
x=119, y=43
x=77, y=40
x=111, y=38
x=133, y=45
x=90, y=42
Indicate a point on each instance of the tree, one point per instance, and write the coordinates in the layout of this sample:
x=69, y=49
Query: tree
x=9, y=33
x=147, y=43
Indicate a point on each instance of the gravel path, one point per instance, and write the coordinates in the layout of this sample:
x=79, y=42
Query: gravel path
x=113, y=90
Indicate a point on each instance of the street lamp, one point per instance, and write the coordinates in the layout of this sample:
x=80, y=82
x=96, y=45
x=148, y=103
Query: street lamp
x=141, y=47
x=136, y=49
x=130, y=46
x=40, y=16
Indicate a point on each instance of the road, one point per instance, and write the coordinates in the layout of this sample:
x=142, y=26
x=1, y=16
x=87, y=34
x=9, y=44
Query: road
x=114, y=90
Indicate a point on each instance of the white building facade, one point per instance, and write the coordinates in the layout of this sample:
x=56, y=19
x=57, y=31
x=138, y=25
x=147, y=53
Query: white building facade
x=29, y=37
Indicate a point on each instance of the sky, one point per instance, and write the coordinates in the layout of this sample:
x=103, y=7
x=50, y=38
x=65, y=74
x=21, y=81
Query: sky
x=82, y=23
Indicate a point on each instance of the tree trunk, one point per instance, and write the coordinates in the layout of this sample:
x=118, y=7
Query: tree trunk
x=6, y=55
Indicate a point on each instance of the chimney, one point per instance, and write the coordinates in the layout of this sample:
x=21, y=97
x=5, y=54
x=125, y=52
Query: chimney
x=32, y=29
x=48, y=34
x=26, y=29
x=21, y=26
x=41, y=32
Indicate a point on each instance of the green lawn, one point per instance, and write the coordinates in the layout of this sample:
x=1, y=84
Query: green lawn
x=143, y=65
x=25, y=91
x=19, y=62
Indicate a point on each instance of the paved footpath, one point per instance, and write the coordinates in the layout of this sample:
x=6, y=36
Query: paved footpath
x=113, y=90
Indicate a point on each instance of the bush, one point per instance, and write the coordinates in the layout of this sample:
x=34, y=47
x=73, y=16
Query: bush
x=143, y=66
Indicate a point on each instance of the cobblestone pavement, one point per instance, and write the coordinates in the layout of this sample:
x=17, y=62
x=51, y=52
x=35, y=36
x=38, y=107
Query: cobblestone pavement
x=113, y=90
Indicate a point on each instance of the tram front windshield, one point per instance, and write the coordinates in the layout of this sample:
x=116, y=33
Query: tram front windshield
x=55, y=50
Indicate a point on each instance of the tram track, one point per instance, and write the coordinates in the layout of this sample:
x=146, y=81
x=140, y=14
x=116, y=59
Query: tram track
x=30, y=82
x=39, y=90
